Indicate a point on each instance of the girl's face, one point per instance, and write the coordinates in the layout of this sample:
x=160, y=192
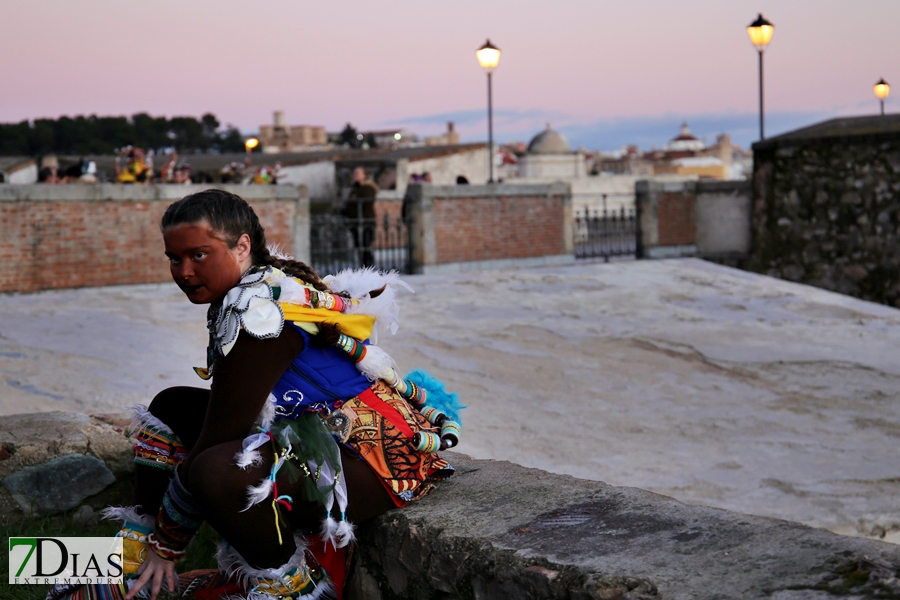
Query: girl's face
x=202, y=264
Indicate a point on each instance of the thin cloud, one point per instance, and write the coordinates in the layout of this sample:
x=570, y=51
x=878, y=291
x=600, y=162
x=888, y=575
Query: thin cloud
x=610, y=134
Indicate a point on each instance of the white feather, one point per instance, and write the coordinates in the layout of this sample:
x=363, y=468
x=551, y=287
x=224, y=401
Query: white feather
x=357, y=283
x=258, y=493
x=266, y=414
x=141, y=417
x=377, y=364
x=329, y=530
x=344, y=533
x=249, y=458
x=277, y=251
x=128, y=513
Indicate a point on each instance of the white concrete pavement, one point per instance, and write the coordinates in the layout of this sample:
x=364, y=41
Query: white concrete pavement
x=708, y=384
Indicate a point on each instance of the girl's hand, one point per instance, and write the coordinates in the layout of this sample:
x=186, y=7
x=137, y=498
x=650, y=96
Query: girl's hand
x=157, y=570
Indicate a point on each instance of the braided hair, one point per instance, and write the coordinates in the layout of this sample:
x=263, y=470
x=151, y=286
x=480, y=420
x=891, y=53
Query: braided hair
x=229, y=216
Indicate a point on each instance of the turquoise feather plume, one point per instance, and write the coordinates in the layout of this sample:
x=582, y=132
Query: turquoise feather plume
x=436, y=395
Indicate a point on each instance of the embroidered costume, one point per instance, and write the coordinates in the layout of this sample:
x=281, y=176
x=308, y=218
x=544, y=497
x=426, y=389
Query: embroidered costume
x=348, y=394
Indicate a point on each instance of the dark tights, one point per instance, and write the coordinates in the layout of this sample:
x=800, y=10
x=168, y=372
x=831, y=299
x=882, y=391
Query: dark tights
x=219, y=486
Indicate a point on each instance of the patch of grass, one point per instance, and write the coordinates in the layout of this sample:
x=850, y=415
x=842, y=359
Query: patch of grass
x=201, y=552
x=859, y=578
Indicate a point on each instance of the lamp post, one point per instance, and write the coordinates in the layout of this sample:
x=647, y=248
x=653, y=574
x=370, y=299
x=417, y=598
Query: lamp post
x=882, y=89
x=489, y=57
x=250, y=144
x=760, y=32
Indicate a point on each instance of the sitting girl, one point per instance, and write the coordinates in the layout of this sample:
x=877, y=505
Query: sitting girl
x=307, y=427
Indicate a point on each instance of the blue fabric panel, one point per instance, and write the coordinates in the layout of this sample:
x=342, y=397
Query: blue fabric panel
x=318, y=376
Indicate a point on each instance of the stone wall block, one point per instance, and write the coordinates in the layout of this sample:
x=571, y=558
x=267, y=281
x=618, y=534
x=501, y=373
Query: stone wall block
x=841, y=196
x=33, y=440
x=59, y=484
x=36, y=438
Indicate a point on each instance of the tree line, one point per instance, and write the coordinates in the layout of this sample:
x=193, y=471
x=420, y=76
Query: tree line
x=104, y=135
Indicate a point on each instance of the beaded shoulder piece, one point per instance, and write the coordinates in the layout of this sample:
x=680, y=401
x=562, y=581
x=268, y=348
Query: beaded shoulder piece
x=265, y=297
x=251, y=306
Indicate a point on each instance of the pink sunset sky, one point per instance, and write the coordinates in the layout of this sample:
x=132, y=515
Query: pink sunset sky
x=605, y=73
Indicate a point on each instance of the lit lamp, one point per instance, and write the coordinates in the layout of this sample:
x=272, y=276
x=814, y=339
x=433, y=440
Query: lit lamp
x=250, y=144
x=760, y=32
x=489, y=57
x=882, y=89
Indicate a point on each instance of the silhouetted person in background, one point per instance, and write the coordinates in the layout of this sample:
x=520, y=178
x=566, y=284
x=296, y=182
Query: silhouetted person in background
x=360, y=212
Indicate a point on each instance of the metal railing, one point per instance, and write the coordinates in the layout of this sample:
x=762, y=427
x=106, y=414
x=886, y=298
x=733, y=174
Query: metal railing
x=602, y=234
x=338, y=242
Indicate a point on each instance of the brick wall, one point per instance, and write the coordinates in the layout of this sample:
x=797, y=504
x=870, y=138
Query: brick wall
x=710, y=219
x=460, y=227
x=486, y=228
x=675, y=212
x=80, y=235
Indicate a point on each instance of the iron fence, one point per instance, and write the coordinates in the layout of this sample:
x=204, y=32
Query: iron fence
x=339, y=242
x=602, y=234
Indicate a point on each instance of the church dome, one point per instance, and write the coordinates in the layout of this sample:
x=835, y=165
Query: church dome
x=686, y=141
x=549, y=141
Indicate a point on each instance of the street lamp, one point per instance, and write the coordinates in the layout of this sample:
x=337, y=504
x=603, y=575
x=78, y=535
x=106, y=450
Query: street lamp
x=489, y=57
x=250, y=144
x=882, y=89
x=760, y=32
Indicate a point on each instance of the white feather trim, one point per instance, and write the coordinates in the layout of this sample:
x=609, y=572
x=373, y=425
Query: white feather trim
x=377, y=364
x=344, y=533
x=128, y=513
x=141, y=417
x=329, y=531
x=359, y=283
x=248, y=458
x=266, y=415
x=277, y=251
x=258, y=493
x=235, y=567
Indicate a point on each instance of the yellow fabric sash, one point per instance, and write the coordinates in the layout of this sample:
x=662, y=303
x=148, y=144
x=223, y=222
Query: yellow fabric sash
x=356, y=326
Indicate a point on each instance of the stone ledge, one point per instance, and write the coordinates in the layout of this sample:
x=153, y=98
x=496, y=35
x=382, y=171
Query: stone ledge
x=499, y=531
x=111, y=192
x=496, y=530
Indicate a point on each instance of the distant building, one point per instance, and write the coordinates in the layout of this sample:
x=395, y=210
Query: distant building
x=550, y=156
x=18, y=169
x=685, y=142
x=450, y=138
x=684, y=155
x=279, y=137
x=391, y=138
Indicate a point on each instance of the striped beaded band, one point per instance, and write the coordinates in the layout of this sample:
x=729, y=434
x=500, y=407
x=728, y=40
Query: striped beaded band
x=164, y=551
x=450, y=433
x=433, y=415
x=354, y=349
x=426, y=442
x=158, y=449
x=176, y=522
